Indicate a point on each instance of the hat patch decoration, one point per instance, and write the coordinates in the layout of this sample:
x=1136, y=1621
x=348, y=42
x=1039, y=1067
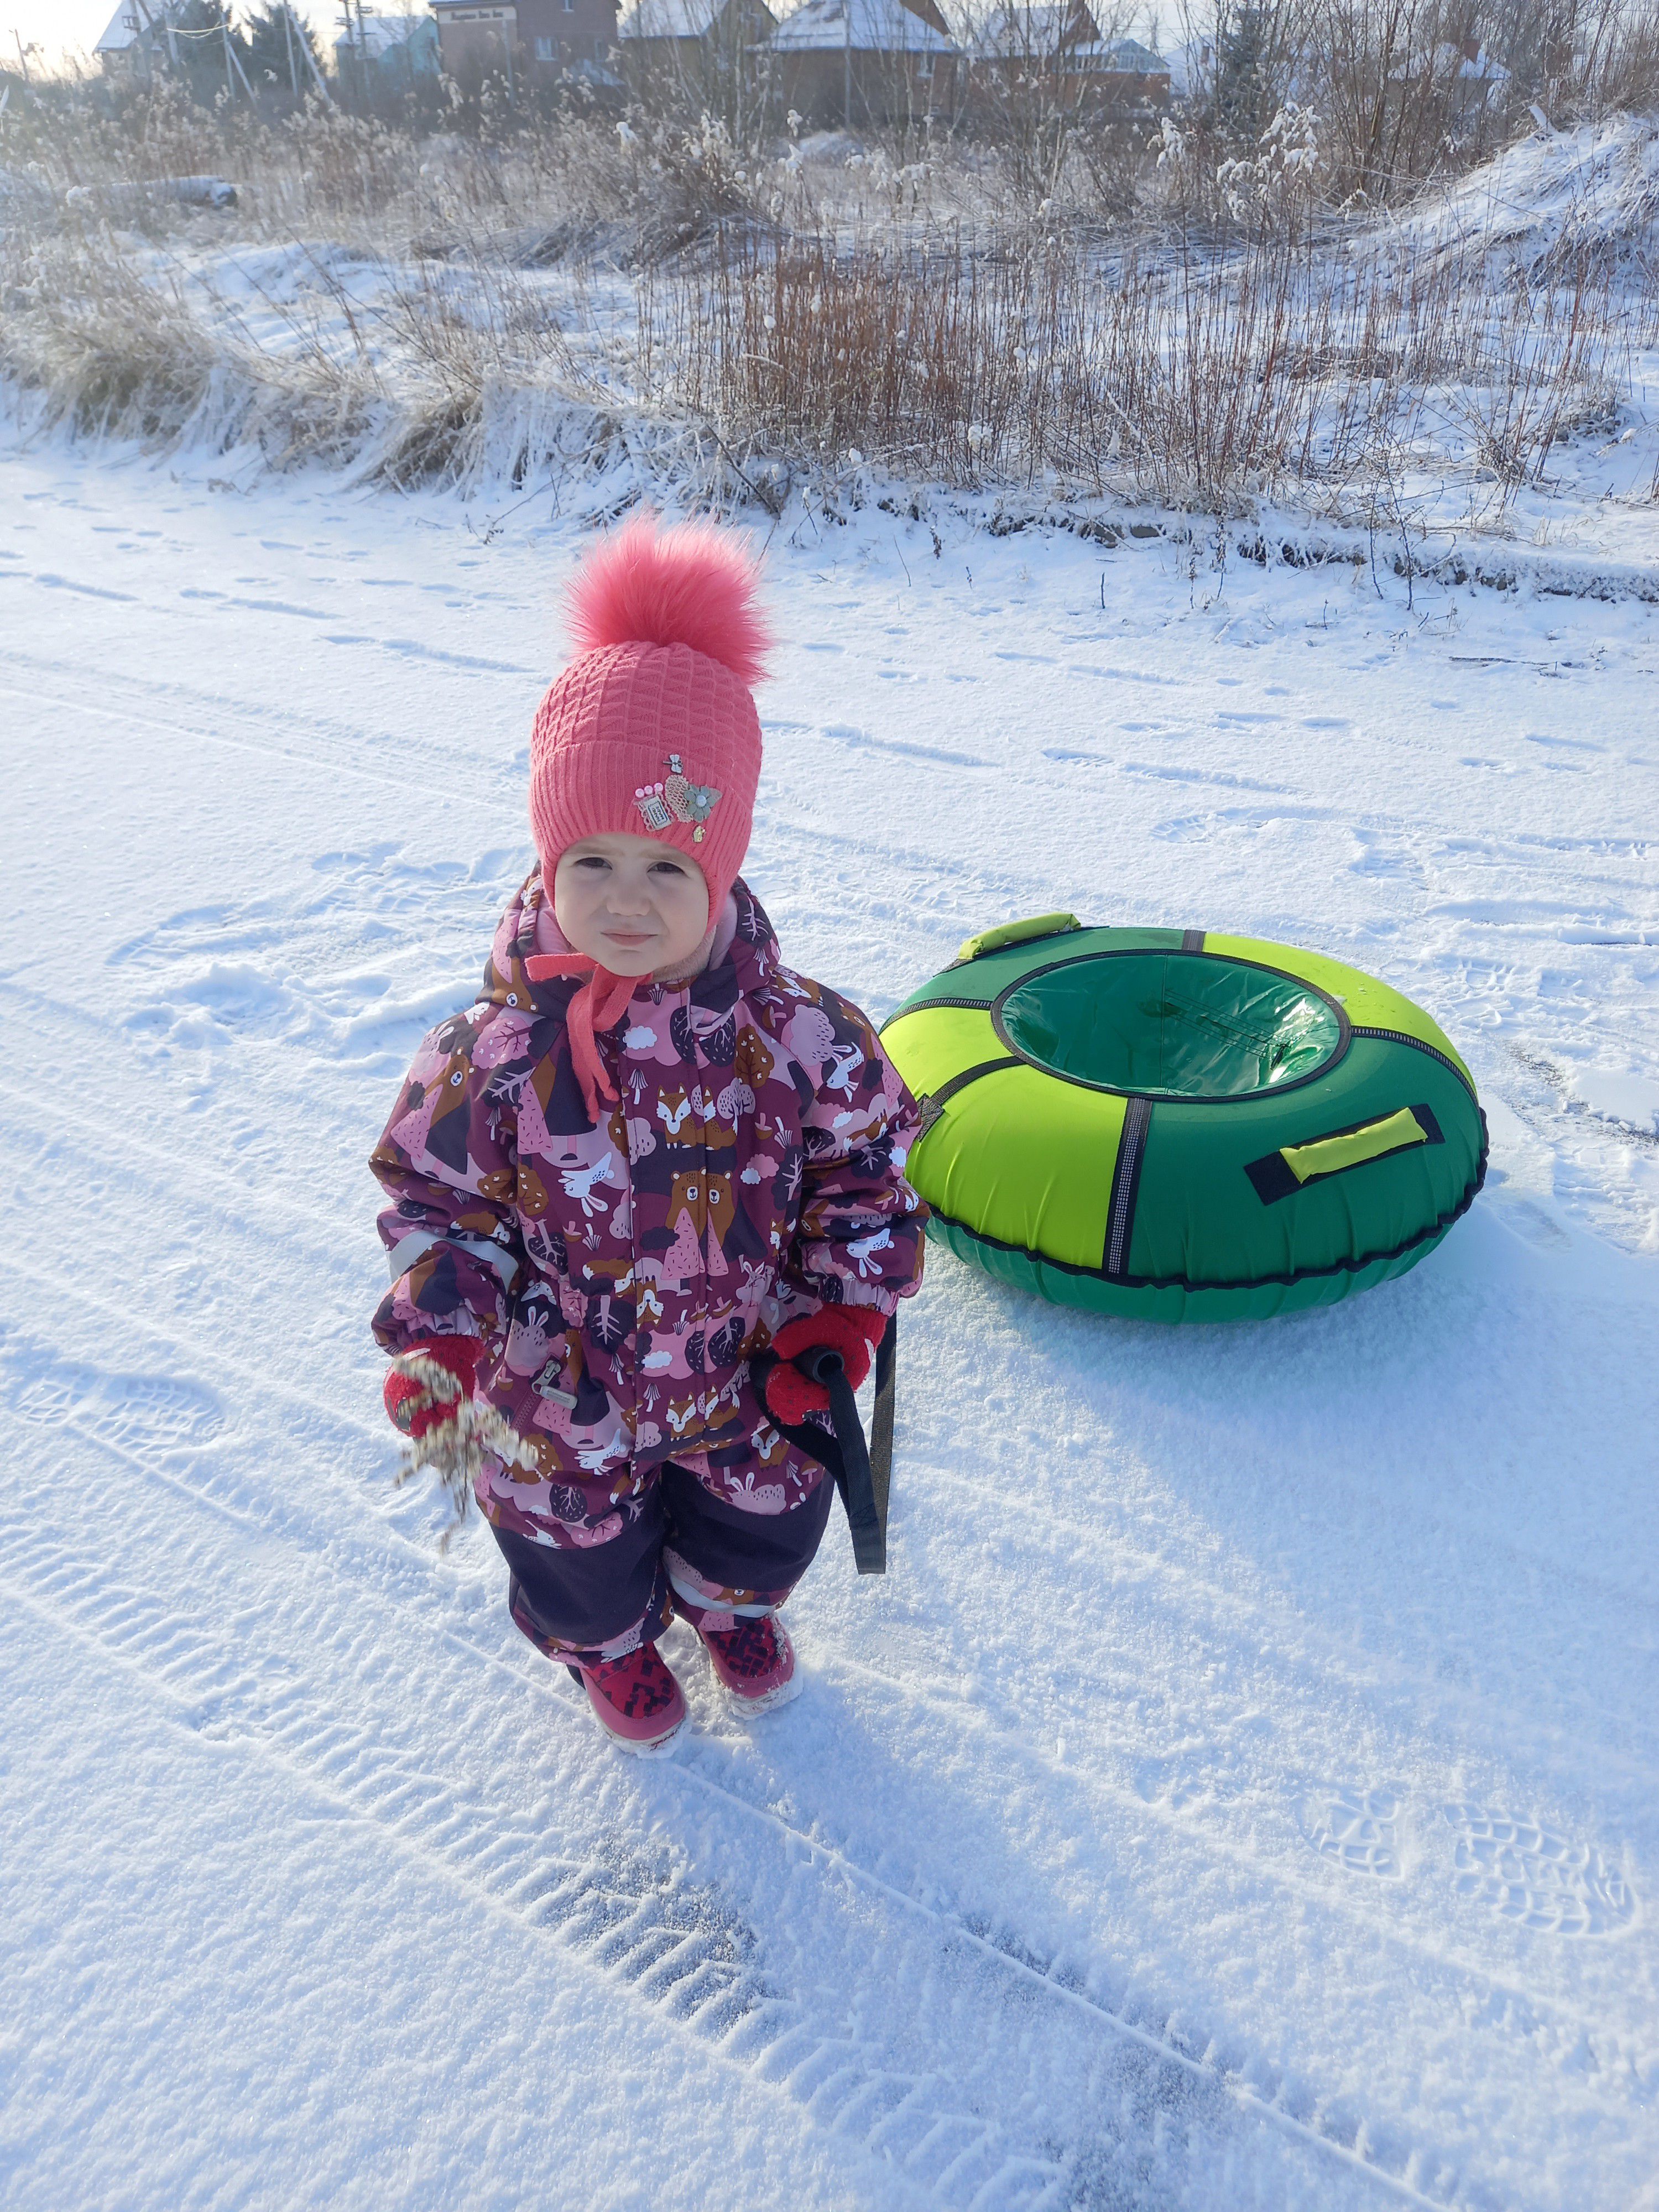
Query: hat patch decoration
x=676, y=800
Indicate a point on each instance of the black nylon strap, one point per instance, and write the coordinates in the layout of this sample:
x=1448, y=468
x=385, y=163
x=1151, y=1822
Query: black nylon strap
x=881, y=1424
x=1126, y=1186
x=842, y=1449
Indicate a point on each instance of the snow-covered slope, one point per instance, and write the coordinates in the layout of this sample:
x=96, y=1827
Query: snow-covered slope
x=1554, y=200
x=1241, y=1790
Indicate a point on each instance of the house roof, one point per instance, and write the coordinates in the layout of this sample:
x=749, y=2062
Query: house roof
x=1192, y=68
x=670, y=19
x=1456, y=60
x=691, y=19
x=882, y=27
x=127, y=25
x=1125, y=57
x=122, y=31
x=1024, y=28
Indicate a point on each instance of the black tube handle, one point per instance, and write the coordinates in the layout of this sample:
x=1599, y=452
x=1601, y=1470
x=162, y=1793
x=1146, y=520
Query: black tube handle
x=844, y=1452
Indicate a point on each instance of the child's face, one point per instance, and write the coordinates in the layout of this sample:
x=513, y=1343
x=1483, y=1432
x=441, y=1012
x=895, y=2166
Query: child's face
x=636, y=906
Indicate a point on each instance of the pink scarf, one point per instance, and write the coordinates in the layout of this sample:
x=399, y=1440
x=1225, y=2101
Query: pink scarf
x=602, y=999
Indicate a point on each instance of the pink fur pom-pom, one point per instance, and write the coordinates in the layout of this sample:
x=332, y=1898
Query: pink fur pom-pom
x=692, y=585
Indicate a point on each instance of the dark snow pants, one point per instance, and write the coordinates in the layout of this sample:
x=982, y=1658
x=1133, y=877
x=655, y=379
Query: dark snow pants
x=690, y=1552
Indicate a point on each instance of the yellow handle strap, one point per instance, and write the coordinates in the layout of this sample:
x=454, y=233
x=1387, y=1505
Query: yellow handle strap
x=1016, y=933
x=1327, y=1154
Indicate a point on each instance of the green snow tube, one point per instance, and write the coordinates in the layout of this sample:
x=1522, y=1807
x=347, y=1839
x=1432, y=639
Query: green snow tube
x=1182, y=1125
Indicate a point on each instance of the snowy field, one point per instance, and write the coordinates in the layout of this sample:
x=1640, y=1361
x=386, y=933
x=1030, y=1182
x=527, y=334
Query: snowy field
x=1243, y=1789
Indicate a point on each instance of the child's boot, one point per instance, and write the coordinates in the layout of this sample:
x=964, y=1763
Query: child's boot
x=635, y=1699
x=756, y=1660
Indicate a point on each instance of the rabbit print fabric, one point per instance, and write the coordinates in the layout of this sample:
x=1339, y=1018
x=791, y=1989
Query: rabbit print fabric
x=622, y=1276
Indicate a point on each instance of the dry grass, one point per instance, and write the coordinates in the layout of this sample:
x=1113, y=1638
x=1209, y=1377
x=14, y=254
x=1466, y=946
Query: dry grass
x=1193, y=377
x=651, y=303
x=117, y=354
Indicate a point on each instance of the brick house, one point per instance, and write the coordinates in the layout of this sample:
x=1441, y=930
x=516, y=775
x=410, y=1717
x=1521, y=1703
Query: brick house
x=709, y=53
x=1059, y=41
x=856, y=62
x=680, y=32
x=1124, y=77
x=527, y=41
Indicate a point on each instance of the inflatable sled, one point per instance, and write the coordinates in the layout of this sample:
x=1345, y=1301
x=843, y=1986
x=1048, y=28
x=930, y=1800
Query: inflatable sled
x=1182, y=1125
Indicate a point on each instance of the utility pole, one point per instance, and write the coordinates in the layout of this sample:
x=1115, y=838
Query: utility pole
x=846, y=65
x=305, y=47
x=231, y=62
x=355, y=43
x=165, y=27
x=147, y=46
x=300, y=44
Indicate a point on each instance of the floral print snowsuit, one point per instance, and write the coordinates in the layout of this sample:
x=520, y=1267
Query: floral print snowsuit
x=622, y=1276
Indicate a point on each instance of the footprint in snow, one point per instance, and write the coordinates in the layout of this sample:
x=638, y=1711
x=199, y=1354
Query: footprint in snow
x=1530, y=1874
x=147, y=1415
x=1523, y=1870
x=1355, y=1827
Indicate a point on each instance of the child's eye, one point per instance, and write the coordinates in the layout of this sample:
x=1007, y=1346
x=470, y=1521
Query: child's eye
x=596, y=861
x=666, y=868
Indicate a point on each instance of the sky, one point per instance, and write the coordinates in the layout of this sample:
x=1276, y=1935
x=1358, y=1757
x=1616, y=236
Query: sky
x=58, y=27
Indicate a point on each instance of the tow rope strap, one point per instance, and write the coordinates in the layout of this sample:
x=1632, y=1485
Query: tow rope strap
x=863, y=1472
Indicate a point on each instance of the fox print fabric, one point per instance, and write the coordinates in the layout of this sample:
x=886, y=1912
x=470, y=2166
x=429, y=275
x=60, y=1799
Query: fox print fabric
x=622, y=1276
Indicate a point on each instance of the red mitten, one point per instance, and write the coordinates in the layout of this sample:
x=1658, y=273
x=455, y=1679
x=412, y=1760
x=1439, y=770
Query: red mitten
x=415, y=1407
x=852, y=1331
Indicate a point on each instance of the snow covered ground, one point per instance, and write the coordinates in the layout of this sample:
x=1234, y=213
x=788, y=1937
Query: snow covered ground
x=1241, y=1790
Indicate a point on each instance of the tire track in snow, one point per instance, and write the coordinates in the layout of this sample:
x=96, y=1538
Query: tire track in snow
x=147, y=1626
x=671, y=1942
x=1356, y=1668
x=184, y=712
x=678, y=1945
x=196, y=733
x=657, y=1938
x=1117, y=1798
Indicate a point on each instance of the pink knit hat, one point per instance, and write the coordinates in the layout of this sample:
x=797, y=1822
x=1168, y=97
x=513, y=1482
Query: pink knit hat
x=652, y=729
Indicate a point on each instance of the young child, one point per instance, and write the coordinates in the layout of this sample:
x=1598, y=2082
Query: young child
x=647, y=1151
